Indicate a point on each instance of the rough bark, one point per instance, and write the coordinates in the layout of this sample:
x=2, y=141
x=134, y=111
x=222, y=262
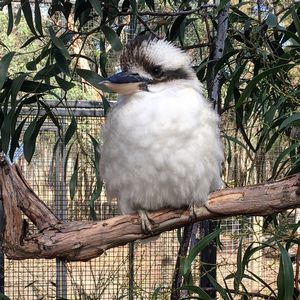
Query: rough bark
x=87, y=239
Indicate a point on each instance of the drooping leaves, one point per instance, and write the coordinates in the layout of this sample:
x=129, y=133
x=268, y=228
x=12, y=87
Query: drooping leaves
x=70, y=131
x=112, y=37
x=74, y=179
x=26, y=8
x=197, y=249
x=4, y=64
x=31, y=135
x=91, y=77
x=285, y=278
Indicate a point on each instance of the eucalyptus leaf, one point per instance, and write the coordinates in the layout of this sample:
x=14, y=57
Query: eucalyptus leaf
x=197, y=290
x=74, y=180
x=4, y=65
x=156, y=293
x=70, y=131
x=25, y=5
x=285, y=278
x=58, y=43
x=15, y=139
x=250, y=86
x=151, y=4
x=198, y=248
x=3, y=297
x=38, y=17
x=292, y=120
x=96, y=4
x=64, y=84
x=15, y=88
x=10, y=19
x=112, y=37
x=91, y=77
x=30, y=137
x=271, y=20
x=282, y=155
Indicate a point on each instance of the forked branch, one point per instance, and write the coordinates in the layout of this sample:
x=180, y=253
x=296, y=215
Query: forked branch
x=88, y=239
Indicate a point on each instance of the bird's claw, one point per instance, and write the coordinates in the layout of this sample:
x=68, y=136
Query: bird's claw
x=145, y=222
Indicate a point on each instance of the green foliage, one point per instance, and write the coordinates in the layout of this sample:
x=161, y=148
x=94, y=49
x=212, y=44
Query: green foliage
x=66, y=54
x=197, y=249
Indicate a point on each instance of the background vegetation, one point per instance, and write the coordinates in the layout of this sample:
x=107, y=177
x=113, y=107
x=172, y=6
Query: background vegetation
x=62, y=50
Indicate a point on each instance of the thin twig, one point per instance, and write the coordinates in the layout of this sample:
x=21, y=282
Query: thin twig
x=196, y=46
x=146, y=26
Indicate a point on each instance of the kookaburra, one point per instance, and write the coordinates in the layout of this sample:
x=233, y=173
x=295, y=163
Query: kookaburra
x=161, y=141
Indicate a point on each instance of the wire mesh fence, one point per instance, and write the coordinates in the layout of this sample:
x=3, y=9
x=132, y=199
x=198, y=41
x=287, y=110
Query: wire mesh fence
x=133, y=271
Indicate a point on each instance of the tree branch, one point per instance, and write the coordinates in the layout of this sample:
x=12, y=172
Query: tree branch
x=81, y=241
x=214, y=83
x=168, y=13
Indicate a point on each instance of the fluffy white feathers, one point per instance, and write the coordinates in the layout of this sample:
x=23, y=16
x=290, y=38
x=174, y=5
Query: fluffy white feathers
x=162, y=147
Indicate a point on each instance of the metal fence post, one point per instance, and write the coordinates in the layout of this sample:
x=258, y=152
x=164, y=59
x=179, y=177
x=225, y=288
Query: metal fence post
x=208, y=259
x=209, y=253
x=61, y=212
x=131, y=271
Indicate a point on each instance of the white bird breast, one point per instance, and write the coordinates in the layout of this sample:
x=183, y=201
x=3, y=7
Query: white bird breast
x=161, y=149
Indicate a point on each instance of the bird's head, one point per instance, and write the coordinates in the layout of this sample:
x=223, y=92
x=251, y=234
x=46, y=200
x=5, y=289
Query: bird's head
x=147, y=61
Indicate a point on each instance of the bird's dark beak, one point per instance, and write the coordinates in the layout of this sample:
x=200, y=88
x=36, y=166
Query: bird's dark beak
x=125, y=83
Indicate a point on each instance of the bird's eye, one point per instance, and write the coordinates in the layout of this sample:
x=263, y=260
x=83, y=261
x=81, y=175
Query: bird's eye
x=156, y=71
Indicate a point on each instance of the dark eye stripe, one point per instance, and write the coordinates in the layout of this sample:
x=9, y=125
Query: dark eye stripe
x=170, y=75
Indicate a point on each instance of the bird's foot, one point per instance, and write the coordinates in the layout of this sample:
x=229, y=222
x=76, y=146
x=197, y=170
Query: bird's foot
x=145, y=221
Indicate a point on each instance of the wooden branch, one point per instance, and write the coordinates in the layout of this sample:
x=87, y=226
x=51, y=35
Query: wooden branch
x=222, y=29
x=168, y=13
x=88, y=239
